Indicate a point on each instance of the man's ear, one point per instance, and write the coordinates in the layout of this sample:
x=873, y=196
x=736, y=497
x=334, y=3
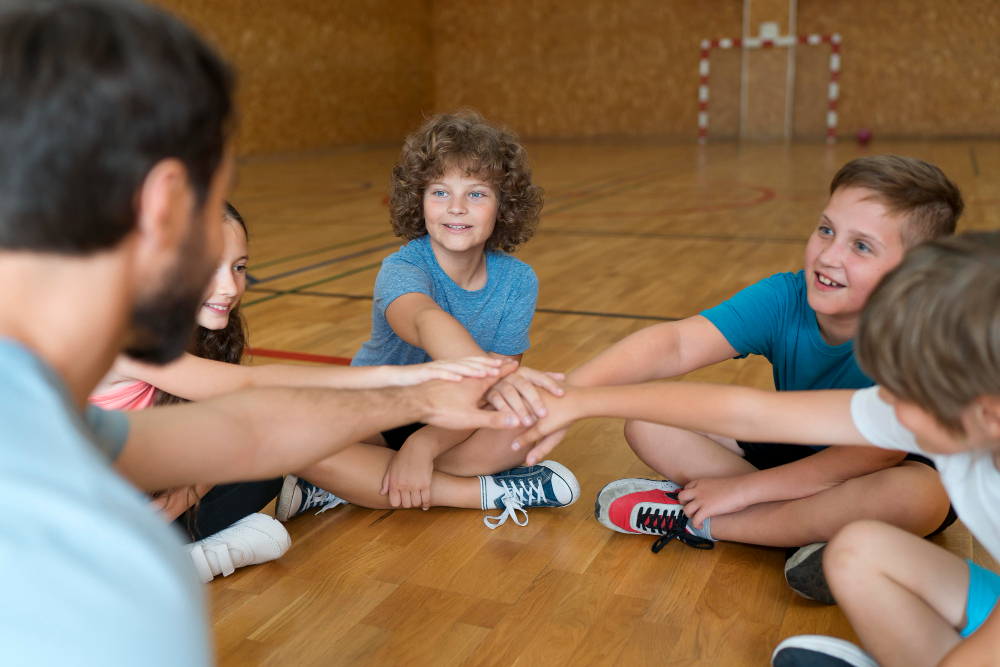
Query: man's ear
x=988, y=411
x=165, y=201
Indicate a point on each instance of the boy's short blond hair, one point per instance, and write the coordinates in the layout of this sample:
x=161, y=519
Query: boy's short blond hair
x=930, y=332
x=907, y=186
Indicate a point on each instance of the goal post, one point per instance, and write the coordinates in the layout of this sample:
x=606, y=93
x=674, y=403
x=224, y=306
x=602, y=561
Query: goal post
x=781, y=41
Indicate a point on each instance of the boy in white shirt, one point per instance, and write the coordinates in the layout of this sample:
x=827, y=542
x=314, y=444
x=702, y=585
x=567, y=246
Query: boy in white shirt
x=930, y=337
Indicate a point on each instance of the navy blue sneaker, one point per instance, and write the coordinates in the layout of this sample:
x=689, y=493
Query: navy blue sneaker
x=819, y=651
x=548, y=484
x=308, y=497
x=804, y=573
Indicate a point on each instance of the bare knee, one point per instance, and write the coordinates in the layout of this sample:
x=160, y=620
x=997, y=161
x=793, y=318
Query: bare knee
x=853, y=554
x=652, y=443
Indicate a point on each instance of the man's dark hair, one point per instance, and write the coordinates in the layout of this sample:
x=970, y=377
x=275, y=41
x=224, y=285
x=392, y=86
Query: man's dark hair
x=93, y=93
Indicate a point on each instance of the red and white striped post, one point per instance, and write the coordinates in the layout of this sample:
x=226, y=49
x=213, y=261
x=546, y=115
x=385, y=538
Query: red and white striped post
x=834, y=94
x=758, y=43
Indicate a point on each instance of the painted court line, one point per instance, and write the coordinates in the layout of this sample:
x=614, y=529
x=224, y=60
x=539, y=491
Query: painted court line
x=326, y=262
x=317, y=251
x=550, y=311
x=298, y=290
x=721, y=238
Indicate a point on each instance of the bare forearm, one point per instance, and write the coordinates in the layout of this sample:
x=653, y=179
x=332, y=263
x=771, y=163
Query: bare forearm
x=441, y=336
x=821, y=471
x=815, y=417
x=257, y=433
x=334, y=377
x=649, y=354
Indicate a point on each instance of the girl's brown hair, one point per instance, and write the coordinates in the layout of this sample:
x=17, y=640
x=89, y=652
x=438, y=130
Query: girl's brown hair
x=226, y=344
x=464, y=140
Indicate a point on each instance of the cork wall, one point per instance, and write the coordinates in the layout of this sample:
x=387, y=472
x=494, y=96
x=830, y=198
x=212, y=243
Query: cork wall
x=909, y=68
x=577, y=68
x=319, y=73
x=316, y=73
x=585, y=68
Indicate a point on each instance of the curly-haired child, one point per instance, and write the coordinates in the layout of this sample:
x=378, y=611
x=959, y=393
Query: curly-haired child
x=462, y=195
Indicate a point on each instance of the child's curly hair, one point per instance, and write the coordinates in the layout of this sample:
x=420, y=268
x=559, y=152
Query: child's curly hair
x=465, y=140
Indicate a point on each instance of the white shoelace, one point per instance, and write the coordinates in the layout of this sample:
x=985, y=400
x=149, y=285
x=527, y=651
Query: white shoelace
x=512, y=505
x=313, y=500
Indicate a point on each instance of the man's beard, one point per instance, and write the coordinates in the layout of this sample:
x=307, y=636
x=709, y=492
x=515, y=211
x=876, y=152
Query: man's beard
x=163, y=323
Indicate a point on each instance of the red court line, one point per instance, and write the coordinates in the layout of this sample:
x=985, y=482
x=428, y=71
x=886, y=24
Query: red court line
x=299, y=356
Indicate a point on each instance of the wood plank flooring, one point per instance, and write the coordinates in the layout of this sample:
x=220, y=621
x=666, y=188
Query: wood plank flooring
x=631, y=234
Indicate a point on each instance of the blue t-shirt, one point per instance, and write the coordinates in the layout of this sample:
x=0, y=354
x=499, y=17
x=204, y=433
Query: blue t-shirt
x=89, y=575
x=772, y=318
x=497, y=316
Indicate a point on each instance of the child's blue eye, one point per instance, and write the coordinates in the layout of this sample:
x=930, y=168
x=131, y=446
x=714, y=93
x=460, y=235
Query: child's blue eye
x=477, y=195
x=439, y=193
x=862, y=247
x=825, y=231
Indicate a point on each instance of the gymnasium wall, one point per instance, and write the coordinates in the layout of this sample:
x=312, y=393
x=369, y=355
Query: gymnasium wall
x=319, y=73
x=315, y=73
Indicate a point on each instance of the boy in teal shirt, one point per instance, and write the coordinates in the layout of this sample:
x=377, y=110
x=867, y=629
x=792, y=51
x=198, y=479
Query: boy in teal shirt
x=803, y=323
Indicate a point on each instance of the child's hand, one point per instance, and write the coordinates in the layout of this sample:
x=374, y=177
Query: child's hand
x=452, y=370
x=407, y=482
x=561, y=411
x=705, y=498
x=517, y=393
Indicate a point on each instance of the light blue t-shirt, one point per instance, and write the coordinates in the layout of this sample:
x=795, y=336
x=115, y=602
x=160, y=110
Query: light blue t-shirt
x=89, y=575
x=497, y=316
x=772, y=318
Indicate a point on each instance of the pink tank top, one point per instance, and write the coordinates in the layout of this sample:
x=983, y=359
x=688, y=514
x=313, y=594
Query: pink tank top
x=136, y=396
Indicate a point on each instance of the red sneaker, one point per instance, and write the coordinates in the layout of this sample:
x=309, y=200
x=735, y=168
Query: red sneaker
x=646, y=507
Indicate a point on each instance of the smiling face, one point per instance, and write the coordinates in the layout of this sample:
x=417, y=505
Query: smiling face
x=856, y=242
x=230, y=279
x=460, y=211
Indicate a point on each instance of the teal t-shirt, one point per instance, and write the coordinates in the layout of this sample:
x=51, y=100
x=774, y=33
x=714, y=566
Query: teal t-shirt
x=772, y=318
x=89, y=575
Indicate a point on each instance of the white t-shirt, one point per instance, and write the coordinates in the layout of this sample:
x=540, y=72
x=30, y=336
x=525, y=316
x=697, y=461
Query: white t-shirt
x=970, y=478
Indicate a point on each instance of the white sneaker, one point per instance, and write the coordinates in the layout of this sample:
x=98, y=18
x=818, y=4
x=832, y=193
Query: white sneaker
x=252, y=540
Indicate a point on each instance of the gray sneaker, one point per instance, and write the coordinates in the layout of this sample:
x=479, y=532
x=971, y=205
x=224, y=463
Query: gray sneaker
x=804, y=574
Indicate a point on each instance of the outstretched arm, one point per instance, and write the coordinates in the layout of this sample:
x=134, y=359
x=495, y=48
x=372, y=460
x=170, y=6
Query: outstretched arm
x=421, y=322
x=262, y=433
x=197, y=379
x=793, y=417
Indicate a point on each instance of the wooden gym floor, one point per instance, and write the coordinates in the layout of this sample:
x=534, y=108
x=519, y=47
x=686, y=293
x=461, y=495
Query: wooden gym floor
x=631, y=235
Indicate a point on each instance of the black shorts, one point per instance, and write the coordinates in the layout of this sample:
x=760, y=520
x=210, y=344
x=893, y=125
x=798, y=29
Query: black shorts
x=766, y=455
x=395, y=437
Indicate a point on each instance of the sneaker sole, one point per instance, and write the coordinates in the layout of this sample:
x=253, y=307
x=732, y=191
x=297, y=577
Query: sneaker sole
x=283, y=505
x=819, y=650
x=567, y=476
x=804, y=574
x=622, y=487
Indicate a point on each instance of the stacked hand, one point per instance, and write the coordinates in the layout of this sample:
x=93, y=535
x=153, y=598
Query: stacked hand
x=518, y=393
x=451, y=370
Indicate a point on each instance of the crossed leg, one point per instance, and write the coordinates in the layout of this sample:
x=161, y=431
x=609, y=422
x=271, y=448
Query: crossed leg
x=908, y=495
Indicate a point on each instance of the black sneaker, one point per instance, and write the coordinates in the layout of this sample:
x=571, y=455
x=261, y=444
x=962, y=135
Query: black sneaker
x=819, y=651
x=804, y=574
